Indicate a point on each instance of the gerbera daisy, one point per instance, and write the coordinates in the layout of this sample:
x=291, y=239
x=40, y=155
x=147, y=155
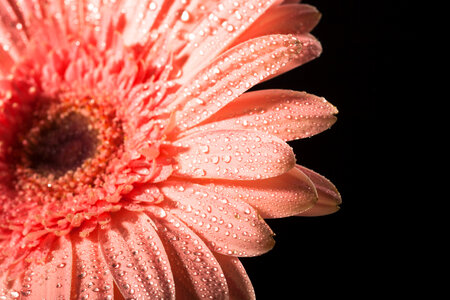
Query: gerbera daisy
x=132, y=162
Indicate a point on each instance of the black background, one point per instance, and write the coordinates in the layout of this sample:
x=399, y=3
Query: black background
x=342, y=253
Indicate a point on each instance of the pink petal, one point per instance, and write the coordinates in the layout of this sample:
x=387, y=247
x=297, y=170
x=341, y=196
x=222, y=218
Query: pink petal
x=92, y=278
x=13, y=38
x=193, y=264
x=236, y=71
x=311, y=49
x=329, y=197
x=228, y=226
x=136, y=257
x=234, y=154
x=180, y=18
x=51, y=280
x=287, y=114
x=11, y=288
x=277, y=197
x=284, y=19
x=218, y=29
x=6, y=62
x=238, y=282
x=139, y=17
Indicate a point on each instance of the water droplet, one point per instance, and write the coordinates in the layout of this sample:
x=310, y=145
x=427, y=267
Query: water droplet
x=152, y=6
x=26, y=293
x=199, y=172
x=185, y=16
x=204, y=148
x=61, y=265
x=199, y=101
x=226, y=158
x=115, y=265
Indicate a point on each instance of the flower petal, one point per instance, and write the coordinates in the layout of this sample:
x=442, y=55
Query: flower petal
x=311, y=49
x=92, y=278
x=236, y=71
x=290, y=115
x=139, y=17
x=286, y=195
x=238, y=282
x=7, y=62
x=13, y=38
x=193, y=264
x=234, y=154
x=228, y=226
x=329, y=197
x=283, y=19
x=11, y=288
x=218, y=29
x=136, y=257
x=51, y=280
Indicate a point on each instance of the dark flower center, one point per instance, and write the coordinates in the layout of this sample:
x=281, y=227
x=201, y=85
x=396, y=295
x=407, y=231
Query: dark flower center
x=62, y=145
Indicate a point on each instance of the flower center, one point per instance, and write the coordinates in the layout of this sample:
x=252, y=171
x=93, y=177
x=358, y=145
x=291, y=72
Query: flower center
x=61, y=145
x=66, y=147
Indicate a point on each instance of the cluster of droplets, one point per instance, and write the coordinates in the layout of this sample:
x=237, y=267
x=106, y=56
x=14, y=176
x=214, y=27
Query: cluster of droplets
x=245, y=66
x=195, y=256
x=239, y=155
x=42, y=276
x=224, y=18
x=282, y=120
x=91, y=272
x=230, y=226
x=137, y=264
x=213, y=221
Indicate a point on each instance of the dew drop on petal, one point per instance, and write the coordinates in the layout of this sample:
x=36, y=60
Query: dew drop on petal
x=185, y=16
x=226, y=158
x=204, y=148
x=115, y=265
x=199, y=172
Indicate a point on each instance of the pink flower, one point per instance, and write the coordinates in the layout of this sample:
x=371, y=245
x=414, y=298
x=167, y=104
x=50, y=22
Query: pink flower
x=132, y=163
